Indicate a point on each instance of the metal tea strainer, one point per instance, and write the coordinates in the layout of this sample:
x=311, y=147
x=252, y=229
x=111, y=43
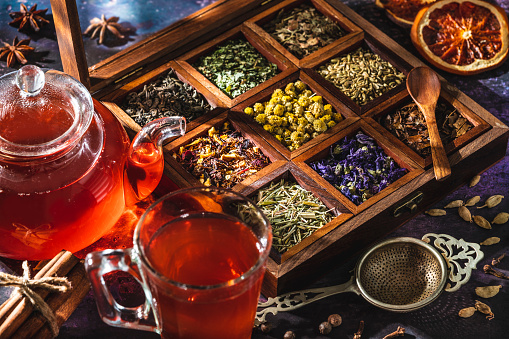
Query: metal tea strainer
x=400, y=274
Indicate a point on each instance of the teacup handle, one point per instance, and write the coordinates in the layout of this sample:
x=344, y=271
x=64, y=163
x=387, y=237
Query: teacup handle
x=98, y=264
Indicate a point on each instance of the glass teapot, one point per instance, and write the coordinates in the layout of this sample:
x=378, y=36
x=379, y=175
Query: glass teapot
x=67, y=168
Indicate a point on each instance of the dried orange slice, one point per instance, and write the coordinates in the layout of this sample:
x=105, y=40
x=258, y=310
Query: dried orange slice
x=403, y=12
x=462, y=36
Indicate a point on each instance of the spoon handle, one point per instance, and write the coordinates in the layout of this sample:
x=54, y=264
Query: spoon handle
x=440, y=162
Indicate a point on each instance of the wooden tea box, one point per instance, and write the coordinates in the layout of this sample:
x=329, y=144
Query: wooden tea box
x=354, y=226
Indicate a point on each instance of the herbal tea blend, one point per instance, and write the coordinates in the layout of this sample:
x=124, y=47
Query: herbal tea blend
x=303, y=30
x=295, y=115
x=167, y=96
x=361, y=75
x=293, y=212
x=358, y=168
x=235, y=67
x=408, y=125
x=222, y=158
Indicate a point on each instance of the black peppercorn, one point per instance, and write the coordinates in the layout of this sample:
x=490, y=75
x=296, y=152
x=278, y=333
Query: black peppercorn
x=289, y=335
x=266, y=327
x=325, y=327
x=335, y=320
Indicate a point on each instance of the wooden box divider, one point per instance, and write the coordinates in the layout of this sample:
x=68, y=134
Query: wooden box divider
x=284, y=65
x=264, y=95
x=257, y=22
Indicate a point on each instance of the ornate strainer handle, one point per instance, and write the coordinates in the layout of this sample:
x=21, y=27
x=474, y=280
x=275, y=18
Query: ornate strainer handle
x=461, y=257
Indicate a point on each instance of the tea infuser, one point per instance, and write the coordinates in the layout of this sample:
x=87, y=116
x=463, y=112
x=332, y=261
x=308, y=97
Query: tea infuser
x=400, y=274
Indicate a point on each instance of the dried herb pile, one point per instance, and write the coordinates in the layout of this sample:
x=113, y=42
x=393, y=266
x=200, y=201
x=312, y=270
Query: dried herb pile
x=294, y=213
x=358, y=168
x=235, y=67
x=222, y=158
x=408, y=124
x=165, y=97
x=361, y=75
x=294, y=115
x=303, y=30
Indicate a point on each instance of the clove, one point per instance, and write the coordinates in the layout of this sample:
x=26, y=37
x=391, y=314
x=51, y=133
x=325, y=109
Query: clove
x=497, y=261
x=490, y=270
x=358, y=334
x=399, y=332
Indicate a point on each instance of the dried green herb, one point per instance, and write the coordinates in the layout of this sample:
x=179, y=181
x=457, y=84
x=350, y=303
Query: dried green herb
x=303, y=30
x=235, y=67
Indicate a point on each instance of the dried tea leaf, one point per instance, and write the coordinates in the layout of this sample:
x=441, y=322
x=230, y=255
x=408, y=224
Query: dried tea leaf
x=501, y=218
x=454, y=204
x=480, y=221
x=492, y=201
x=472, y=201
x=474, y=181
x=487, y=291
x=483, y=308
x=490, y=241
x=467, y=312
x=465, y=213
x=436, y=212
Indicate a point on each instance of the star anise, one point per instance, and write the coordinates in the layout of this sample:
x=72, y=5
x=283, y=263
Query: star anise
x=15, y=52
x=101, y=26
x=25, y=18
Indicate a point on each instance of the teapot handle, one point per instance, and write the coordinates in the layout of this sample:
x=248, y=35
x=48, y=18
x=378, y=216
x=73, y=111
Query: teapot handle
x=145, y=162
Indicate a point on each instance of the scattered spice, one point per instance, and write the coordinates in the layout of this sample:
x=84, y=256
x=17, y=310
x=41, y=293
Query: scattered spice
x=294, y=213
x=490, y=241
x=295, y=115
x=497, y=261
x=235, y=67
x=465, y=213
x=467, y=312
x=325, y=327
x=483, y=308
x=472, y=201
x=222, y=158
x=474, y=181
x=436, y=212
x=167, y=96
x=361, y=75
x=492, y=201
x=335, y=320
x=487, y=291
x=289, y=335
x=15, y=53
x=501, y=218
x=454, y=204
x=490, y=270
x=303, y=30
x=358, y=334
x=266, y=327
x=100, y=27
x=400, y=331
x=481, y=222
x=358, y=167
x=409, y=125
x=26, y=20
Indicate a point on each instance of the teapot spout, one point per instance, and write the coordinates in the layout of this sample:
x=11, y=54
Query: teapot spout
x=145, y=162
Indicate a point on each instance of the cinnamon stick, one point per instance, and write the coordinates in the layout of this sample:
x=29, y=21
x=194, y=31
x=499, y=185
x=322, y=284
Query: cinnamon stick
x=16, y=310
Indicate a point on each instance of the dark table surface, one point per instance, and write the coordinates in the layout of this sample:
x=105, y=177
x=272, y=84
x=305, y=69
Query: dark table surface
x=439, y=319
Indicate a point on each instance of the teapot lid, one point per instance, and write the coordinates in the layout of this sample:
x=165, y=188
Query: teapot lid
x=41, y=113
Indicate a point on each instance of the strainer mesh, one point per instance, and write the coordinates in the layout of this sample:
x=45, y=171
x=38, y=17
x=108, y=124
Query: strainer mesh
x=400, y=274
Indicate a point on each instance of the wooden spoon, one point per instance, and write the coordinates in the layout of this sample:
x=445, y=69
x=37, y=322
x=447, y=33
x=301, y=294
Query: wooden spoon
x=424, y=87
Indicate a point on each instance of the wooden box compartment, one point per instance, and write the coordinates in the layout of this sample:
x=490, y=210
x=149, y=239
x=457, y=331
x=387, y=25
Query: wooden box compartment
x=370, y=44
x=259, y=22
x=285, y=66
x=366, y=223
x=263, y=96
x=376, y=115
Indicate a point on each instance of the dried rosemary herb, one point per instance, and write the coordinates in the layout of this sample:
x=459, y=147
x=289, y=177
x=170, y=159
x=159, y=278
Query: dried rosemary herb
x=235, y=67
x=222, y=158
x=303, y=30
x=294, y=115
x=293, y=212
x=408, y=124
x=165, y=97
x=361, y=75
x=358, y=167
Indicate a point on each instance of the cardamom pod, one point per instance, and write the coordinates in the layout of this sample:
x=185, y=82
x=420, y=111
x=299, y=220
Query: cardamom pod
x=467, y=312
x=483, y=308
x=480, y=221
x=472, y=201
x=465, y=213
x=474, y=181
x=454, y=204
x=436, y=212
x=487, y=291
x=501, y=218
x=492, y=201
x=490, y=241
